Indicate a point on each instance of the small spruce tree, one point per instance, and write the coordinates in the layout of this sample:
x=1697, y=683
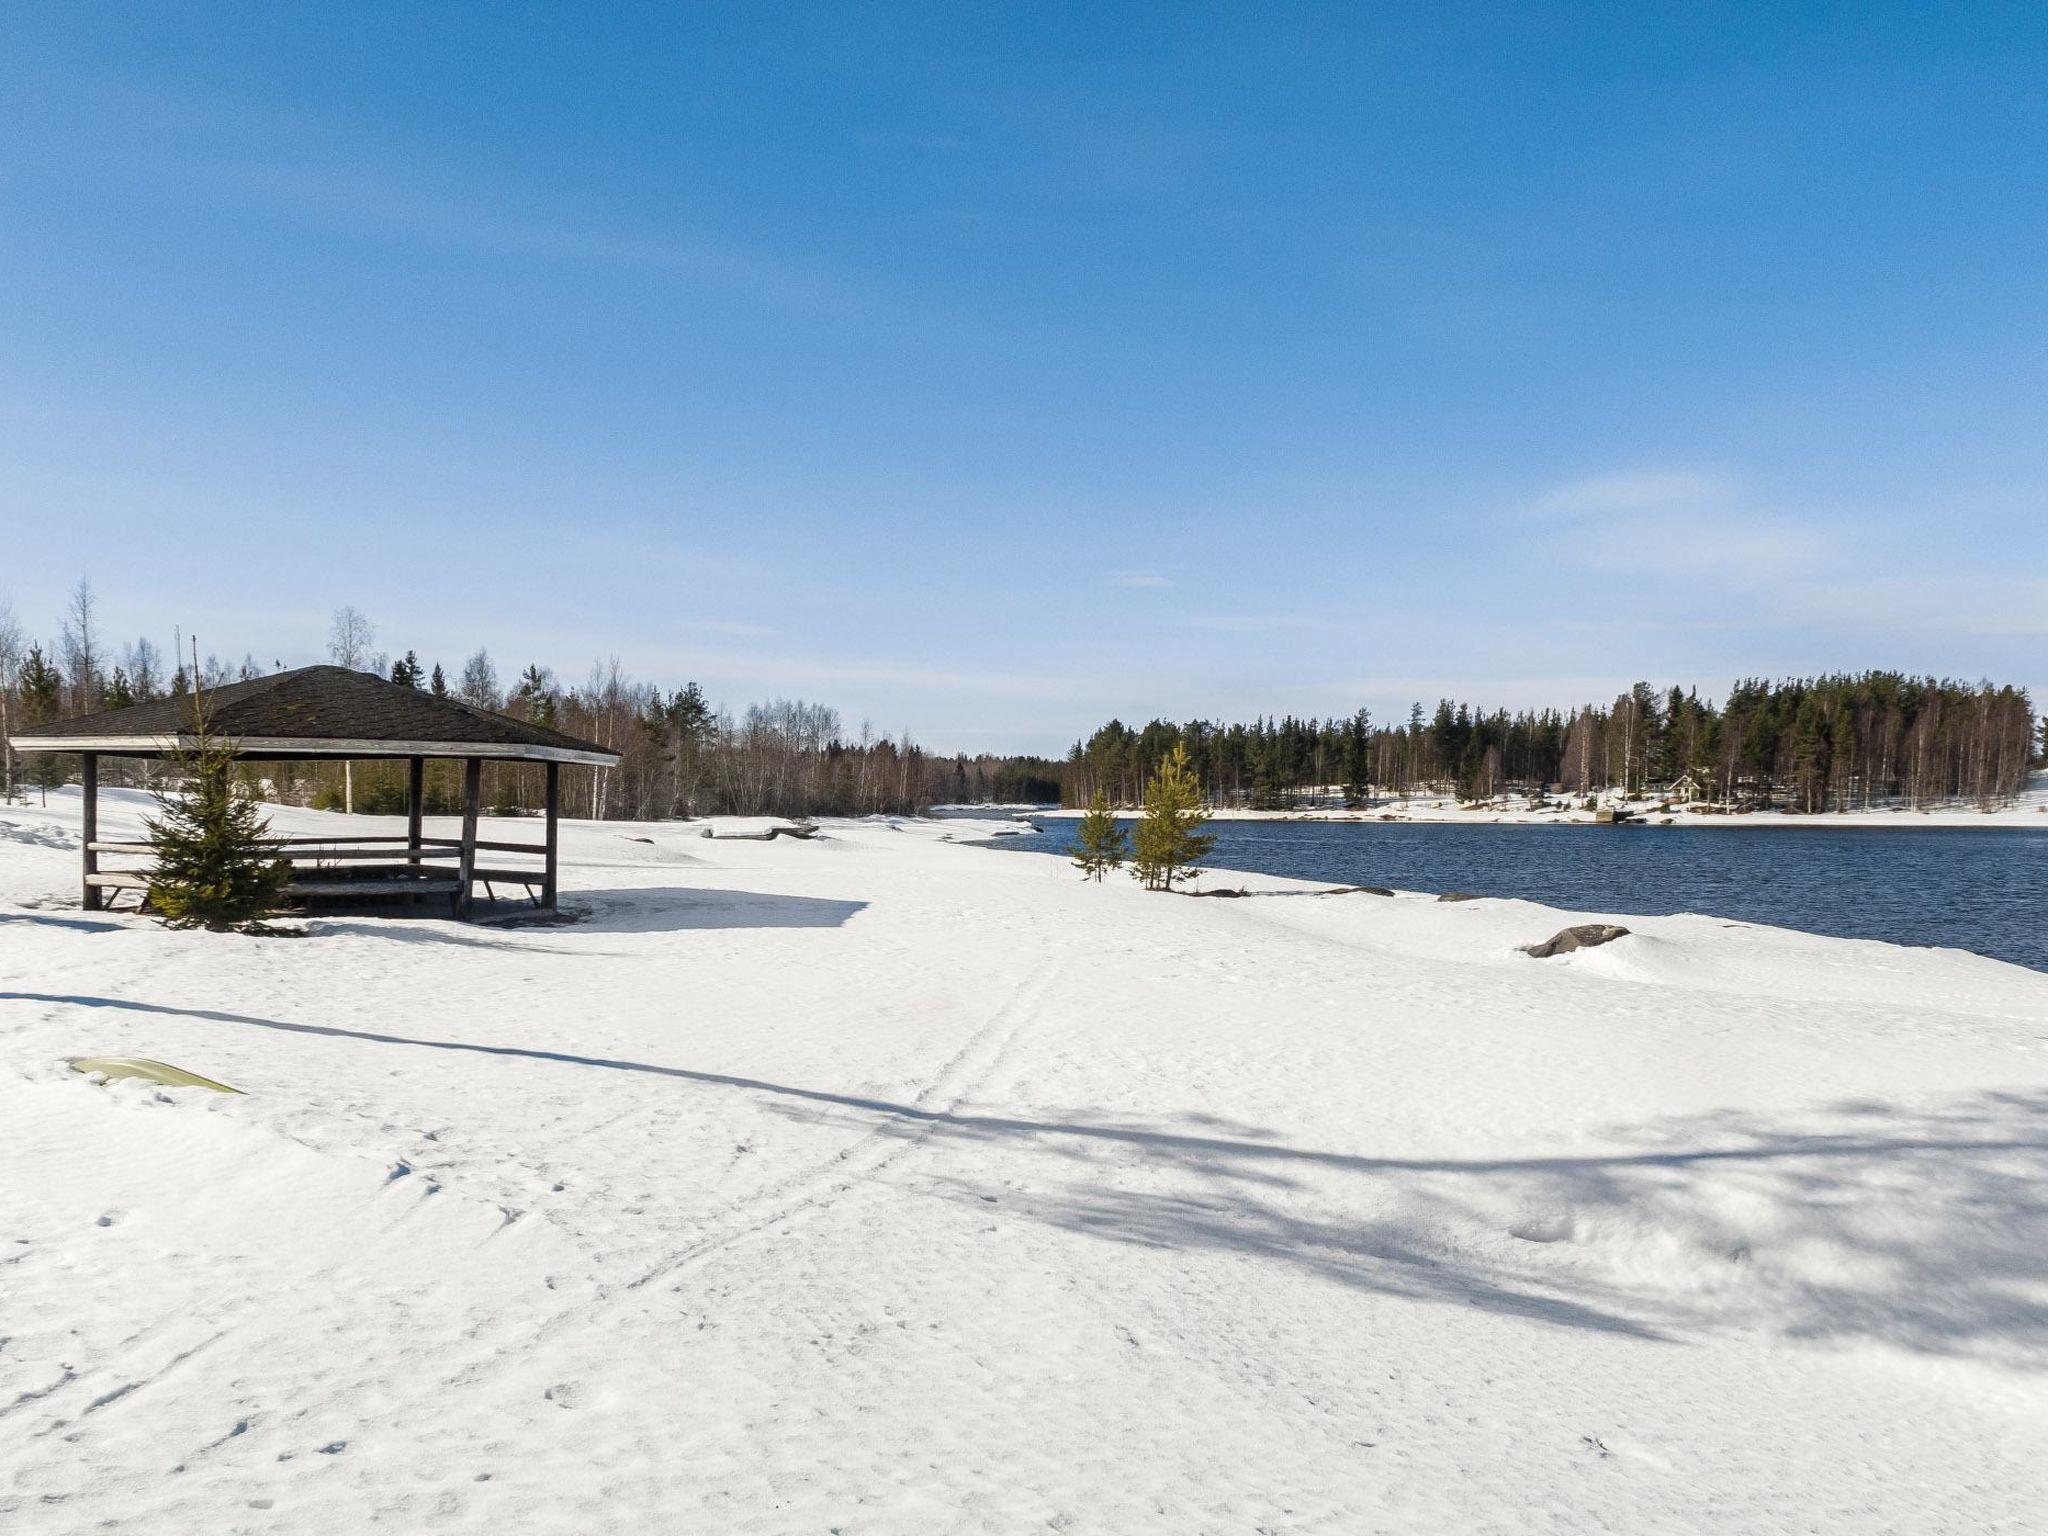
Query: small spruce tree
x=216, y=867
x=41, y=690
x=48, y=773
x=1100, y=845
x=1169, y=839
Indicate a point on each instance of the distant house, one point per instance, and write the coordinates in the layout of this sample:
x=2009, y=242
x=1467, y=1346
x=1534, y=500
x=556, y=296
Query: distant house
x=1687, y=787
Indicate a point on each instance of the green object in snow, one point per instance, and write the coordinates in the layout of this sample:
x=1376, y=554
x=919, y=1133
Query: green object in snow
x=150, y=1071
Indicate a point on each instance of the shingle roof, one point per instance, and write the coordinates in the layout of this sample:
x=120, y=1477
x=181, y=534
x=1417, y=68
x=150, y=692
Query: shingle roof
x=298, y=713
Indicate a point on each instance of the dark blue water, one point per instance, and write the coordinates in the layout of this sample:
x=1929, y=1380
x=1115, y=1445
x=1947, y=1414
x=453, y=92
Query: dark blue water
x=1984, y=890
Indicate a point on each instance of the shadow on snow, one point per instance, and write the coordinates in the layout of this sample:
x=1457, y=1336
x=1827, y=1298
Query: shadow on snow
x=1923, y=1228
x=644, y=909
x=675, y=908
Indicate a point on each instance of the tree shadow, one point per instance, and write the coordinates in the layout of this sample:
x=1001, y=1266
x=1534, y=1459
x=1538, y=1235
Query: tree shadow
x=444, y=930
x=77, y=924
x=1388, y=1257
x=1924, y=1228
x=678, y=908
x=631, y=909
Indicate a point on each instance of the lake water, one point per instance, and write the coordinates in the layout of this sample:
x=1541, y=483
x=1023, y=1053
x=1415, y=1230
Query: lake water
x=1983, y=890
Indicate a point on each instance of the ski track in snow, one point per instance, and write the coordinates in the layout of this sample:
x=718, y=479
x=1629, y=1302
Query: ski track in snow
x=876, y=1150
x=880, y=1185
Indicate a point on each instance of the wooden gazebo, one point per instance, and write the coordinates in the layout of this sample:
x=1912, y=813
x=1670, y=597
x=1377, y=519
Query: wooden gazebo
x=333, y=714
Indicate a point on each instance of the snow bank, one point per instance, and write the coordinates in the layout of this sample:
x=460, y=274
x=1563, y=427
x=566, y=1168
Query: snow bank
x=880, y=1183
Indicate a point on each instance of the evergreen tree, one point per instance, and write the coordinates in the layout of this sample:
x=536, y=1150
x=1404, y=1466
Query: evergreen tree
x=406, y=671
x=1471, y=760
x=688, y=732
x=1812, y=755
x=216, y=867
x=1169, y=839
x=690, y=711
x=40, y=688
x=42, y=692
x=536, y=691
x=1358, y=759
x=439, y=683
x=1100, y=844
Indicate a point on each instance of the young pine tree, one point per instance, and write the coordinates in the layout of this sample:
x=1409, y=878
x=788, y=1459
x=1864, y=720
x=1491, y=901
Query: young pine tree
x=1100, y=845
x=1169, y=839
x=216, y=867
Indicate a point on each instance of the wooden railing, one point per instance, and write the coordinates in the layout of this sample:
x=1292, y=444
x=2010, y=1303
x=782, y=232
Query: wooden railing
x=370, y=865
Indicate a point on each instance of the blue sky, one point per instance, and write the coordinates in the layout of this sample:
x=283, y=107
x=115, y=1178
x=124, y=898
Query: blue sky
x=989, y=370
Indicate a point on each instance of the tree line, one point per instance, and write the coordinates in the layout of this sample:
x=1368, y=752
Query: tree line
x=680, y=755
x=1831, y=743
x=1810, y=744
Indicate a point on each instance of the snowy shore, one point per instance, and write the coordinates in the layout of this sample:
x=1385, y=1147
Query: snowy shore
x=885, y=1183
x=2028, y=810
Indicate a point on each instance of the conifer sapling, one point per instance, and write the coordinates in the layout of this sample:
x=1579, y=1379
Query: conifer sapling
x=1100, y=845
x=1169, y=839
x=216, y=866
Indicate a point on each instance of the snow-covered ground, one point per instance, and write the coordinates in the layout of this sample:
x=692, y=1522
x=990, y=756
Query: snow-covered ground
x=883, y=1183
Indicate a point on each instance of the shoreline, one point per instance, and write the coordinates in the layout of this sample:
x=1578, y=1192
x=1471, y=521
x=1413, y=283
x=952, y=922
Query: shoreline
x=2008, y=818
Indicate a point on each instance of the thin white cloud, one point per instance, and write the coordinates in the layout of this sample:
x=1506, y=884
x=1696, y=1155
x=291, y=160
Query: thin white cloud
x=345, y=175
x=1726, y=544
x=808, y=674
x=1977, y=604
x=1253, y=623
x=1650, y=490
x=355, y=196
x=1677, y=523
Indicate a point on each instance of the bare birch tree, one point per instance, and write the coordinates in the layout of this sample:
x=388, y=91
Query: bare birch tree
x=349, y=638
x=78, y=650
x=12, y=648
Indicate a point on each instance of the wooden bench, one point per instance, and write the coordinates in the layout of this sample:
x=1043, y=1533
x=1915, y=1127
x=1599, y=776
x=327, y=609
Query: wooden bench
x=373, y=865
x=397, y=884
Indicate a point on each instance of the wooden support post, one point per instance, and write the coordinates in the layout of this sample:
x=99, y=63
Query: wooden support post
x=554, y=802
x=472, y=796
x=415, y=804
x=89, y=781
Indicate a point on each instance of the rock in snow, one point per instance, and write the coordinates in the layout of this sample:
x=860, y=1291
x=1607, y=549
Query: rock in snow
x=1582, y=936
